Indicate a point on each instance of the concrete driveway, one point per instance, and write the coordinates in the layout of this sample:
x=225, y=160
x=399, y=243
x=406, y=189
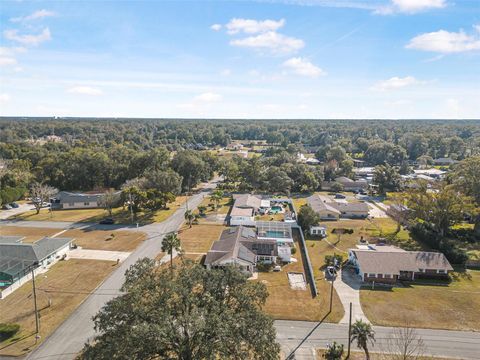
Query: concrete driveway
x=348, y=286
x=376, y=212
x=98, y=254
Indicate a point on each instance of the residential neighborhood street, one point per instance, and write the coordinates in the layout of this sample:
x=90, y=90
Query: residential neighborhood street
x=70, y=337
x=443, y=343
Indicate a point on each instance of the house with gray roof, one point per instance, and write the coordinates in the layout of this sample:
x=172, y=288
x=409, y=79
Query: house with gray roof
x=18, y=259
x=329, y=209
x=73, y=200
x=389, y=264
x=243, y=247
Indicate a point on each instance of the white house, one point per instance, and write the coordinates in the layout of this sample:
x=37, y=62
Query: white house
x=317, y=230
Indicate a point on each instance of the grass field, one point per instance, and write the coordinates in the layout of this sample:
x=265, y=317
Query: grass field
x=31, y=234
x=456, y=306
x=102, y=239
x=120, y=214
x=285, y=303
x=65, y=286
x=199, y=238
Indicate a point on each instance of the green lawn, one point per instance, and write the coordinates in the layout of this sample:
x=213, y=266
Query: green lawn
x=456, y=306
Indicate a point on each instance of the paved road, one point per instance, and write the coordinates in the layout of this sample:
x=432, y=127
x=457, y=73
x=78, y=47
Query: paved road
x=71, y=335
x=452, y=344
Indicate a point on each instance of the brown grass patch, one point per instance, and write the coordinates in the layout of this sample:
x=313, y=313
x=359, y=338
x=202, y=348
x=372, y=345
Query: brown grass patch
x=199, y=238
x=456, y=306
x=66, y=284
x=288, y=304
x=102, y=239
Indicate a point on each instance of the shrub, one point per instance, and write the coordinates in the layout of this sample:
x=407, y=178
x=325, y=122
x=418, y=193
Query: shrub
x=294, y=250
x=7, y=330
x=330, y=259
x=336, y=187
x=264, y=266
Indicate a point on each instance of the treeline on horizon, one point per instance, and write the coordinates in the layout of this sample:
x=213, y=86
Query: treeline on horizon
x=105, y=153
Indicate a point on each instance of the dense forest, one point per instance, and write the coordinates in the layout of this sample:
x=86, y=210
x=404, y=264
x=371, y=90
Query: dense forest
x=87, y=154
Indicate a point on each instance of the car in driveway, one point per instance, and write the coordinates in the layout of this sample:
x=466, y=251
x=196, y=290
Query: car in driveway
x=6, y=207
x=340, y=196
x=107, y=221
x=14, y=205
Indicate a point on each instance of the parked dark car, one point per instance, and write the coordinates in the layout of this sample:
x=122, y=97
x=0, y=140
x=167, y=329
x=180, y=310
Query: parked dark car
x=6, y=207
x=340, y=196
x=14, y=205
x=107, y=221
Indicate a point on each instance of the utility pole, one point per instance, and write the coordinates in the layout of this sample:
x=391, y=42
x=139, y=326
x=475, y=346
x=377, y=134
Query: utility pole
x=37, y=320
x=331, y=295
x=349, y=331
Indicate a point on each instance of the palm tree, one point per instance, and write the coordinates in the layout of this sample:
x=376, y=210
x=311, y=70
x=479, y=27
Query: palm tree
x=170, y=243
x=216, y=196
x=190, y=217
x=363, y=333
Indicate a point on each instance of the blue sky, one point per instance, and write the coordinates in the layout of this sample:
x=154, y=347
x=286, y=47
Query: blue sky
x=241, y=59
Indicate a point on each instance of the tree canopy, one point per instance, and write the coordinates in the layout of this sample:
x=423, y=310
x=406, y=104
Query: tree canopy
x=190, y=313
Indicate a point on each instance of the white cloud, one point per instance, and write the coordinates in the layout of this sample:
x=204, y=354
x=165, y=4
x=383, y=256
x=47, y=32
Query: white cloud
x=445, y=42
x=85, y=90
x=7, y=55
x=410, y=6
x=28, y=39
x=208, y=97
x=39, y=14
x=271, y=41
x=216, y=27
x=302, y=66
x=250, y=26
x=395, y=83
x=4, y=98
x=7, y=61
x=226, y=72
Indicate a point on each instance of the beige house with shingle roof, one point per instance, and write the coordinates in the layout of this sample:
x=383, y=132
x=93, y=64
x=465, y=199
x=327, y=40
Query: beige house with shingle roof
x=329, y=209
x=388, y=264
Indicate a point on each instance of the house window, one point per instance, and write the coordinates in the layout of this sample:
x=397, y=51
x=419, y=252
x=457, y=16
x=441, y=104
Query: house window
x=372, y=275
x=71, y=204
x=387, y=276
x=86, y=203
x=441, y=271
x=421, y=270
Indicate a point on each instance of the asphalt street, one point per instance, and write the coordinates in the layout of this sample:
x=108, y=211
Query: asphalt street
x=73, y=333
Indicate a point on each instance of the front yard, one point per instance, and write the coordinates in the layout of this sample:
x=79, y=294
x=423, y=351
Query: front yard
x=456, y=306
x=120, y=214
x=59, y=292
x=103, y=239
x=285, y=303
x=199, y=238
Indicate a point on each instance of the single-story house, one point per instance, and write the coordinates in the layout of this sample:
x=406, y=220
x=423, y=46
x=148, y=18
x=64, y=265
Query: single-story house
x=389, y=264
x=242, y=247
x=353, y=210
x=71, y=200
x=329, y=209
x=244, y=209
x=318, y=230
x=444, y=161
x=352, y=185
x=18, y=259
x=324, y=207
